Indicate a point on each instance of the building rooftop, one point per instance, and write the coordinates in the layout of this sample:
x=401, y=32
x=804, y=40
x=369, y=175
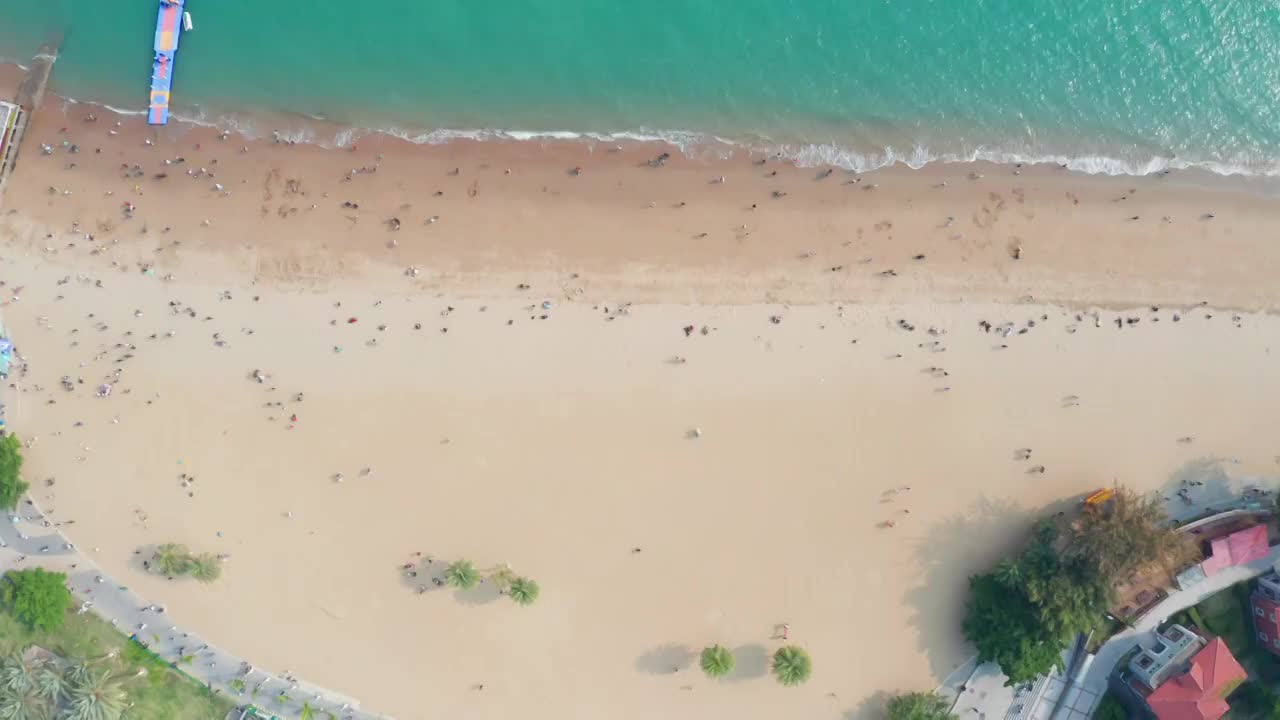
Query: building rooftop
x=1200, y=693
x=1238, y=548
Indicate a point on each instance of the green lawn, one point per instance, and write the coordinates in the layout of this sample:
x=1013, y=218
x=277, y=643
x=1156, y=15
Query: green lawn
x=161, y=693
x=1229, y=616
x=1225, y=617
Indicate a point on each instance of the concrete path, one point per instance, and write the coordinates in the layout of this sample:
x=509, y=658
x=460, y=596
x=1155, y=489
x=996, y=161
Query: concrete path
x=31, y=541
x=978, y=691
x=1143, y=632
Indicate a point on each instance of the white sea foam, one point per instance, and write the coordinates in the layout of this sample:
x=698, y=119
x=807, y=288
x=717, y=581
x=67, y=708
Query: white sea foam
x=702, y=145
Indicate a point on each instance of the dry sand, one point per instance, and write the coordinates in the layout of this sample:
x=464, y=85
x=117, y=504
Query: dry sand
x=561, y=444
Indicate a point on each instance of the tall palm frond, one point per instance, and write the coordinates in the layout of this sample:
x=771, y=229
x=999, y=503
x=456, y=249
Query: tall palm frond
x=16, y=706
x=17, y=675
x=462, y=575
x=523, y=591
x=206, y=567
x=96, y=696
x=49, y=684
x=792, y=665
x=172, y=559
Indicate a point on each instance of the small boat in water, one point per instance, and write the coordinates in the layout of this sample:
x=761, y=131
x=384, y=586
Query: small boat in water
x=186, y=21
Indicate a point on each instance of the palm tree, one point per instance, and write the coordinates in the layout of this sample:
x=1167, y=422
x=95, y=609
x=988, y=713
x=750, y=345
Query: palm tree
x=501, y=575
x=172, y=559
x=462, y=575
x=49, y=684
x=206, y=567
x=1008, y=573
x=717, y=661
x=17, y=675
x=791, y=665
x=78, y=672
x=95, y=696
x=523, y=591
x=22, y=707
x=16, y=706
x=308, y=712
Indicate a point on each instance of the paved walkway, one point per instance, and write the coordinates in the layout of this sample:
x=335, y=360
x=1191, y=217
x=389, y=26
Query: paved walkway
x=978, y=690
x=31, y=541
x=1143, y=632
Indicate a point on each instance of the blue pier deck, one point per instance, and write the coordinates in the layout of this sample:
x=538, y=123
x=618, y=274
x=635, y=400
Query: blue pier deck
x=168, y=30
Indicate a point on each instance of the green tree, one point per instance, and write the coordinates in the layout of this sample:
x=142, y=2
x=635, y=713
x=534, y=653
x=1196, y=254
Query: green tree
x=1024, y=626
x=918, y=706
x=12, y=487
x=1009, y=573
x=792, y=665
x=172, y=559
x=1004, y=626
x=38, y=598
x=462, y=575
x=717, y=661
x=206, y=567
x=95, y=695
x=1130, y=533
x=523, y=591
x=308, y=712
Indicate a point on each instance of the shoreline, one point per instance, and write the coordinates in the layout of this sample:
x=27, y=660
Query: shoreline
x=304, y=128
x=773, y=233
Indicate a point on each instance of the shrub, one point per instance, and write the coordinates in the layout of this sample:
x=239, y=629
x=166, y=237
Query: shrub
x=918, y=706
x=12, y=488
x=37, y=597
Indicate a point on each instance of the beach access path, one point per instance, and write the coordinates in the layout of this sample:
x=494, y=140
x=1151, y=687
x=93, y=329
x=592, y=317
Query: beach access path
x=30, y=540
x=984, y=695
x=978, y=690
x=1143, y=632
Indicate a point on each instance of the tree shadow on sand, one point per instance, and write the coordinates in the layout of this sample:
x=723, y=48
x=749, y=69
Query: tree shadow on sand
x=955, y=548
x=750, y=662
x=482, y=594
x=141, y=558
x=426, y=578
x=1209, y=483
x=665, y=659
x=871, y=708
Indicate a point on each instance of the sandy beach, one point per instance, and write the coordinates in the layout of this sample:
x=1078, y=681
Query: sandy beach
x=687, y=406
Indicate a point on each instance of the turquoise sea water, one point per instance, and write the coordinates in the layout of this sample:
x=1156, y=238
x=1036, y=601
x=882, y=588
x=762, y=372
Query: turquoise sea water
x=1109, y=85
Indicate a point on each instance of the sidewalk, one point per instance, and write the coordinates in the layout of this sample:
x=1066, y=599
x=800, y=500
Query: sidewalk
x=31, y=541
x=1143, y=632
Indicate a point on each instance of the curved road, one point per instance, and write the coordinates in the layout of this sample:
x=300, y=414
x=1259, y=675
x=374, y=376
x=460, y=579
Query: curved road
x=31, y=541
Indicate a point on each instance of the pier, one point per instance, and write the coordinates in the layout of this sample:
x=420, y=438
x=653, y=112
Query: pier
x=16, y=116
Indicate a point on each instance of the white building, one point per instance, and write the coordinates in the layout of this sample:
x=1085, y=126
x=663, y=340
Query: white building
x=1173, y=650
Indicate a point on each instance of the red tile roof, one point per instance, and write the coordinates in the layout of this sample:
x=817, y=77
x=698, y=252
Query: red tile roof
x=1238, y=548
x=1199, y=693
